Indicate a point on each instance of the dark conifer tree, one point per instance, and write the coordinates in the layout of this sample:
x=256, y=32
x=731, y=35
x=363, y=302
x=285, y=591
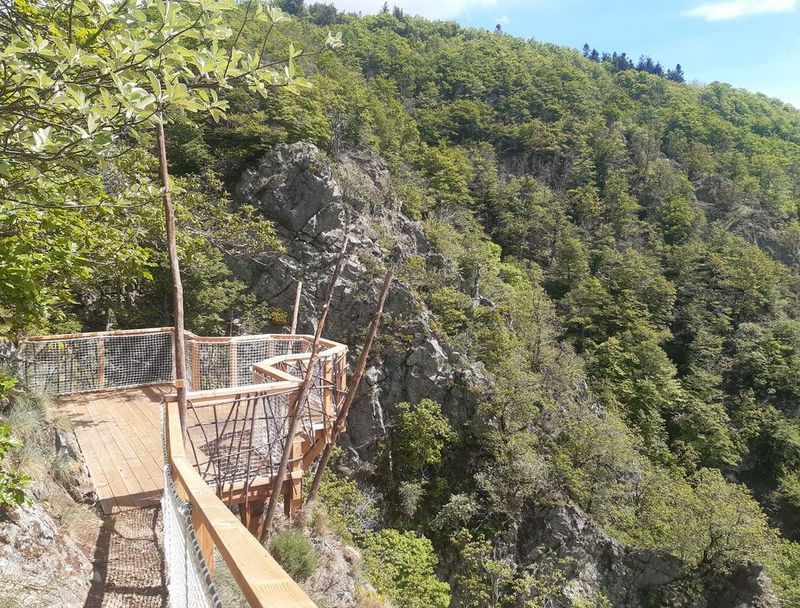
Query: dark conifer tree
x=676, y=74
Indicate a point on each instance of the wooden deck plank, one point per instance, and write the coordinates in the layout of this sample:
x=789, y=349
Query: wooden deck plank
x=122, y=450
x=112, y=459
x=119, y=434
x=120, y=457
x=82, y=423
x=145, y=438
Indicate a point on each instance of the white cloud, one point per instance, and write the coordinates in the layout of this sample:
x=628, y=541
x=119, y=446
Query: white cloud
x=733, y=9
x=433, y=9
x=504, y=19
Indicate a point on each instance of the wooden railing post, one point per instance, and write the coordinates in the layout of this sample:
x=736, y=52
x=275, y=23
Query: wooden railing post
x=296, y=311
x=328, y=386
x=101, y=363
x=234, y=363
x=294, y=488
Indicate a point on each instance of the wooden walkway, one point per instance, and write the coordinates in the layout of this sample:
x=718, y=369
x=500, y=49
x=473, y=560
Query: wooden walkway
x=119, y=433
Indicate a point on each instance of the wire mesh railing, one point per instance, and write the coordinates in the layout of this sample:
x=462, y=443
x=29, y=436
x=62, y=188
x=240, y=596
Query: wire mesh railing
x=239, y=437
x=189, y=582
x=188, y=578
x=80, y=363
x=242, y=393
x=236, y=437
x=96, y=361
x=213, y=363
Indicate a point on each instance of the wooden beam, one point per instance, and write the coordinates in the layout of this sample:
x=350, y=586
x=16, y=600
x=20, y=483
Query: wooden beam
x=296, y=305
x=175, y=270
x=96, y=334
x=297, y=403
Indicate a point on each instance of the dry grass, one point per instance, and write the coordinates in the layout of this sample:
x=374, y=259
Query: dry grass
x=227, y=587
x=32, y=419
x=51, y=465
x=17, y=593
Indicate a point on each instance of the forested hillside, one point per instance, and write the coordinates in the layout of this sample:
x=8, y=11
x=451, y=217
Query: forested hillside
x=619, y=250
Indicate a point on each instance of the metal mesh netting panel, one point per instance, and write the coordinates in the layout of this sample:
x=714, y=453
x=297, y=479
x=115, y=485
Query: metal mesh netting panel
x=249, y=352
x=137, y=360
x=312, y=411
x=189, y=583
x=83, y=364
x=239, y=439
x=222, y=364
x=188, y=362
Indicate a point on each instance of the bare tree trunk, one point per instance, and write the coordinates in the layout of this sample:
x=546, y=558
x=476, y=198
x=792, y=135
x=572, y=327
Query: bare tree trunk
x=341, y=417
x=294, y=408
x=177, y=285
x=296, y=306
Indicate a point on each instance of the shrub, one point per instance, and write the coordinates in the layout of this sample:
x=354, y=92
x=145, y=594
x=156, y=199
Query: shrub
x=12, y=482
x=295, y=553
x=401, y=566
x=352, y=513
x=420, y=435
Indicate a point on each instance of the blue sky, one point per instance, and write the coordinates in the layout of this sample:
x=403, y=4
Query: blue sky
x=753, y=44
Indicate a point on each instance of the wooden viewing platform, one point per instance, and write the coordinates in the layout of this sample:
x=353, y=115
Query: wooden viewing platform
x=119, y=434
x=244, y=395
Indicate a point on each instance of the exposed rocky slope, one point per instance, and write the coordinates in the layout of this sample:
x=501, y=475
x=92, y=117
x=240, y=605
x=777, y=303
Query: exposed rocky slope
x=314, y=203
x=58, y=550
x=40, y=563
x=632, y=577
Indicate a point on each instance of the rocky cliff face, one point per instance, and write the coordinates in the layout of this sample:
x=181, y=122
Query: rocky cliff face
x=41, y=564
x=631, y=577
x=315, y=202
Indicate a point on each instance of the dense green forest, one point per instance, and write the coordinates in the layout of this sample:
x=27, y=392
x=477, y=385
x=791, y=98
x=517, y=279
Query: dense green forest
x=622, y=254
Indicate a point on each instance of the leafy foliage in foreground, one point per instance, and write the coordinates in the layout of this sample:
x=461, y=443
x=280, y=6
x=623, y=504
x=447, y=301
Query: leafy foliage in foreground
x=12, y=481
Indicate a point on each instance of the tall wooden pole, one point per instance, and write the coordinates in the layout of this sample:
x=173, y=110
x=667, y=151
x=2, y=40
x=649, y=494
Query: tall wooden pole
x=341, y=417
x=177, y=285
x=296, y=307
x=294, y=408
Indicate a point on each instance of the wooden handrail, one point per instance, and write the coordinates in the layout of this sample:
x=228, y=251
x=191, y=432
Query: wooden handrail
x=263, y=582
x=97, y=334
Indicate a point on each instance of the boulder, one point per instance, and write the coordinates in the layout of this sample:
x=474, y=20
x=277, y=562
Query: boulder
x=40, y=563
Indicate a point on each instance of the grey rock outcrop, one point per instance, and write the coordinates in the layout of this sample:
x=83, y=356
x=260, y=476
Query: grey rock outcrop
x=314, y=203
x=39, y=562
x=629, y=577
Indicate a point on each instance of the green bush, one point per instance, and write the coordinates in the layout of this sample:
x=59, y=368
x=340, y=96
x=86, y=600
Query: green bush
x=401, y=566
x=352, y=513
x=12, y=482
x=419, y=437
x=295, y=553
